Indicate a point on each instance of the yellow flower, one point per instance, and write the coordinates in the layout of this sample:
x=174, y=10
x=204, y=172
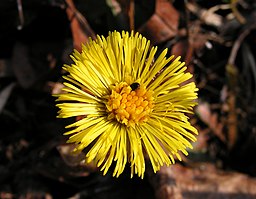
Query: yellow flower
x=132, y=105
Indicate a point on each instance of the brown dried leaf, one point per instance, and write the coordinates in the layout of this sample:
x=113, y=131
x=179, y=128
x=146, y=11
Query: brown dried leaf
x=74, y=159
x=163, y=25
x=211, y=119
x=204, y=180
x=6, y=195
x=54, y=87
x=80, y=35
x=71, y=159
x=201, y=143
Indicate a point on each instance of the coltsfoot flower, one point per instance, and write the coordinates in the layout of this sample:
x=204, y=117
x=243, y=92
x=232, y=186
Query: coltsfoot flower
x=132, y=105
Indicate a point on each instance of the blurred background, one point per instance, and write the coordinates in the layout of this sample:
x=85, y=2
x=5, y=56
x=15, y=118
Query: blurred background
x=216, y=39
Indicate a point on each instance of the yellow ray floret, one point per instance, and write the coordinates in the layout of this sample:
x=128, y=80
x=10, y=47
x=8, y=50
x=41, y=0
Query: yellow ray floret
x=133, y=105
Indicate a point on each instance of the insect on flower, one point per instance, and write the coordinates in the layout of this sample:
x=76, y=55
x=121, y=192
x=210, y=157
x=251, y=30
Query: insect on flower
x=134, y=86
x=128, y=108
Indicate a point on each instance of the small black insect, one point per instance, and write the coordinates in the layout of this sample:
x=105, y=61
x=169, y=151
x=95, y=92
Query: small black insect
x=134, y=86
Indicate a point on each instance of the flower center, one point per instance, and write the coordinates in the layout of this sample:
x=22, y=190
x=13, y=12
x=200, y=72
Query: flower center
x=130, y=104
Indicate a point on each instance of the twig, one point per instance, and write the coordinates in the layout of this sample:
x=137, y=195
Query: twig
x=82, y=21
x=131, y=13
x=237, y=44
x=207, y=16
x=236, y=13
x=21, y=15
x=232, y=73
x=114, y=6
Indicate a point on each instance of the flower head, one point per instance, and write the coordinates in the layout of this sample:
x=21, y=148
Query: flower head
x=132, y=105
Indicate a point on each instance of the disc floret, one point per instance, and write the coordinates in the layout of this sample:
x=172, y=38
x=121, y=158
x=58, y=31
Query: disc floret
x=130, y=105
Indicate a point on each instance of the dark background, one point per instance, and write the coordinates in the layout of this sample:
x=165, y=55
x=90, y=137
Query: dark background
x=37, y=40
